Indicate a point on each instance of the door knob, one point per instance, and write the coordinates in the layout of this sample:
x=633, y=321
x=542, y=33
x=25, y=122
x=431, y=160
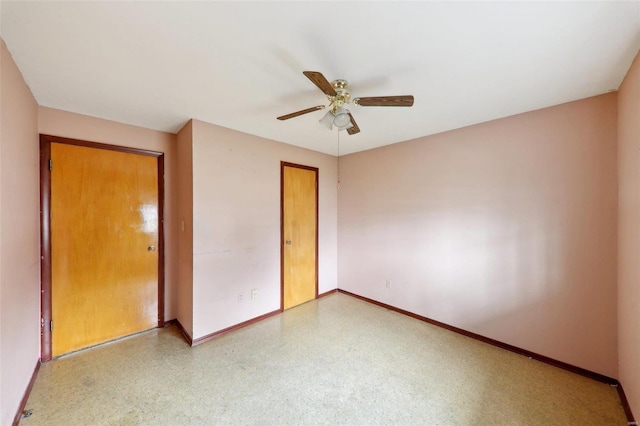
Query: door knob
x=288, y=242
x=151, y=248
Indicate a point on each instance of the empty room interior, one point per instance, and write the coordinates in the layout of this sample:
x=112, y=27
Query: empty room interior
x=319, y=212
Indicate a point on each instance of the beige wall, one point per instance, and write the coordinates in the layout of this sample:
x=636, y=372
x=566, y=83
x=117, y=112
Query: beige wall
x=70, y=125
x=506, y=229
x=20, y=237
x=236, y=224
x=185, y=219
x=629, y=235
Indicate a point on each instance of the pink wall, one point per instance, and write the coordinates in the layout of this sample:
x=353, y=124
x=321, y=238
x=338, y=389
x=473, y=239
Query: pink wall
x=67, y=124
x=236, y=224
x=185, y=219
x=19, y=237
x=506, y=229
x=629, y=235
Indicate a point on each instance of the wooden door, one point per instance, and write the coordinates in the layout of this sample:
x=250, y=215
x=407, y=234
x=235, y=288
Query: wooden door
x=299, y=234
x=104, y=247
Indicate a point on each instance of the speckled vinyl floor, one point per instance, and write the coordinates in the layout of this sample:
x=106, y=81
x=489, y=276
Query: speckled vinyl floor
x=336, y=360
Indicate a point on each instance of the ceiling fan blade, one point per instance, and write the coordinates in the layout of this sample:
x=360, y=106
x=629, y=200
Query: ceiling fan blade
x=297, y=113
x=322, y=83
x=354, y=129
x=400, y=101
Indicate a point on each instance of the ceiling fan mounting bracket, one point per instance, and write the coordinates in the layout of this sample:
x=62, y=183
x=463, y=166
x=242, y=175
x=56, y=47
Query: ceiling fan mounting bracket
x=340, y=84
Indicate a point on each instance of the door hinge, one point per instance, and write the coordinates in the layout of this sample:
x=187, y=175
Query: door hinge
x=51, y=325
x=42, y=322
x=50, y=165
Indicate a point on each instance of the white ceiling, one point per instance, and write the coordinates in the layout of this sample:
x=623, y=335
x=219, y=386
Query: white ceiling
x=239, y=64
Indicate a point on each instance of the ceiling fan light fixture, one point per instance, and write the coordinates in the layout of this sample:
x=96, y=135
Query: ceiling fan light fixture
x=342, y=119
x=327, y=120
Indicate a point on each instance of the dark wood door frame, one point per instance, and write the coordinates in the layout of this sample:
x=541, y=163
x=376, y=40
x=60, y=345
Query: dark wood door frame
x=45, y=230
x=284, y=164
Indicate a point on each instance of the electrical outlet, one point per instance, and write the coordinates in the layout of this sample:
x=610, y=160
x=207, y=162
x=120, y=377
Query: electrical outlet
x=240, y=297
x=388, y=284
x=254, y=294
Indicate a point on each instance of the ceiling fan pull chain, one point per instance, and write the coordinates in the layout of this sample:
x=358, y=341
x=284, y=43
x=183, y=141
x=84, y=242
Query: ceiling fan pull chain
x=338, y=132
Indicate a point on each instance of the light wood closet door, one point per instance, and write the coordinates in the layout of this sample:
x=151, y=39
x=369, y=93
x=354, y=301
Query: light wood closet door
x=104, y=240
x=300, y=223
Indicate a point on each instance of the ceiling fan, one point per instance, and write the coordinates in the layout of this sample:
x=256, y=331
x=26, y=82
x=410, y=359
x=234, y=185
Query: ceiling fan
x=338, y=94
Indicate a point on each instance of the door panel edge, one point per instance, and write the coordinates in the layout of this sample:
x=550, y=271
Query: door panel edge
x=45, y=249
x=161, y=262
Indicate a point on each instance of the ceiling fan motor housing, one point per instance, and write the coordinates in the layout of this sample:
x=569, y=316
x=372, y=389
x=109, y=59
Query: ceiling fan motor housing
x=343, y=96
